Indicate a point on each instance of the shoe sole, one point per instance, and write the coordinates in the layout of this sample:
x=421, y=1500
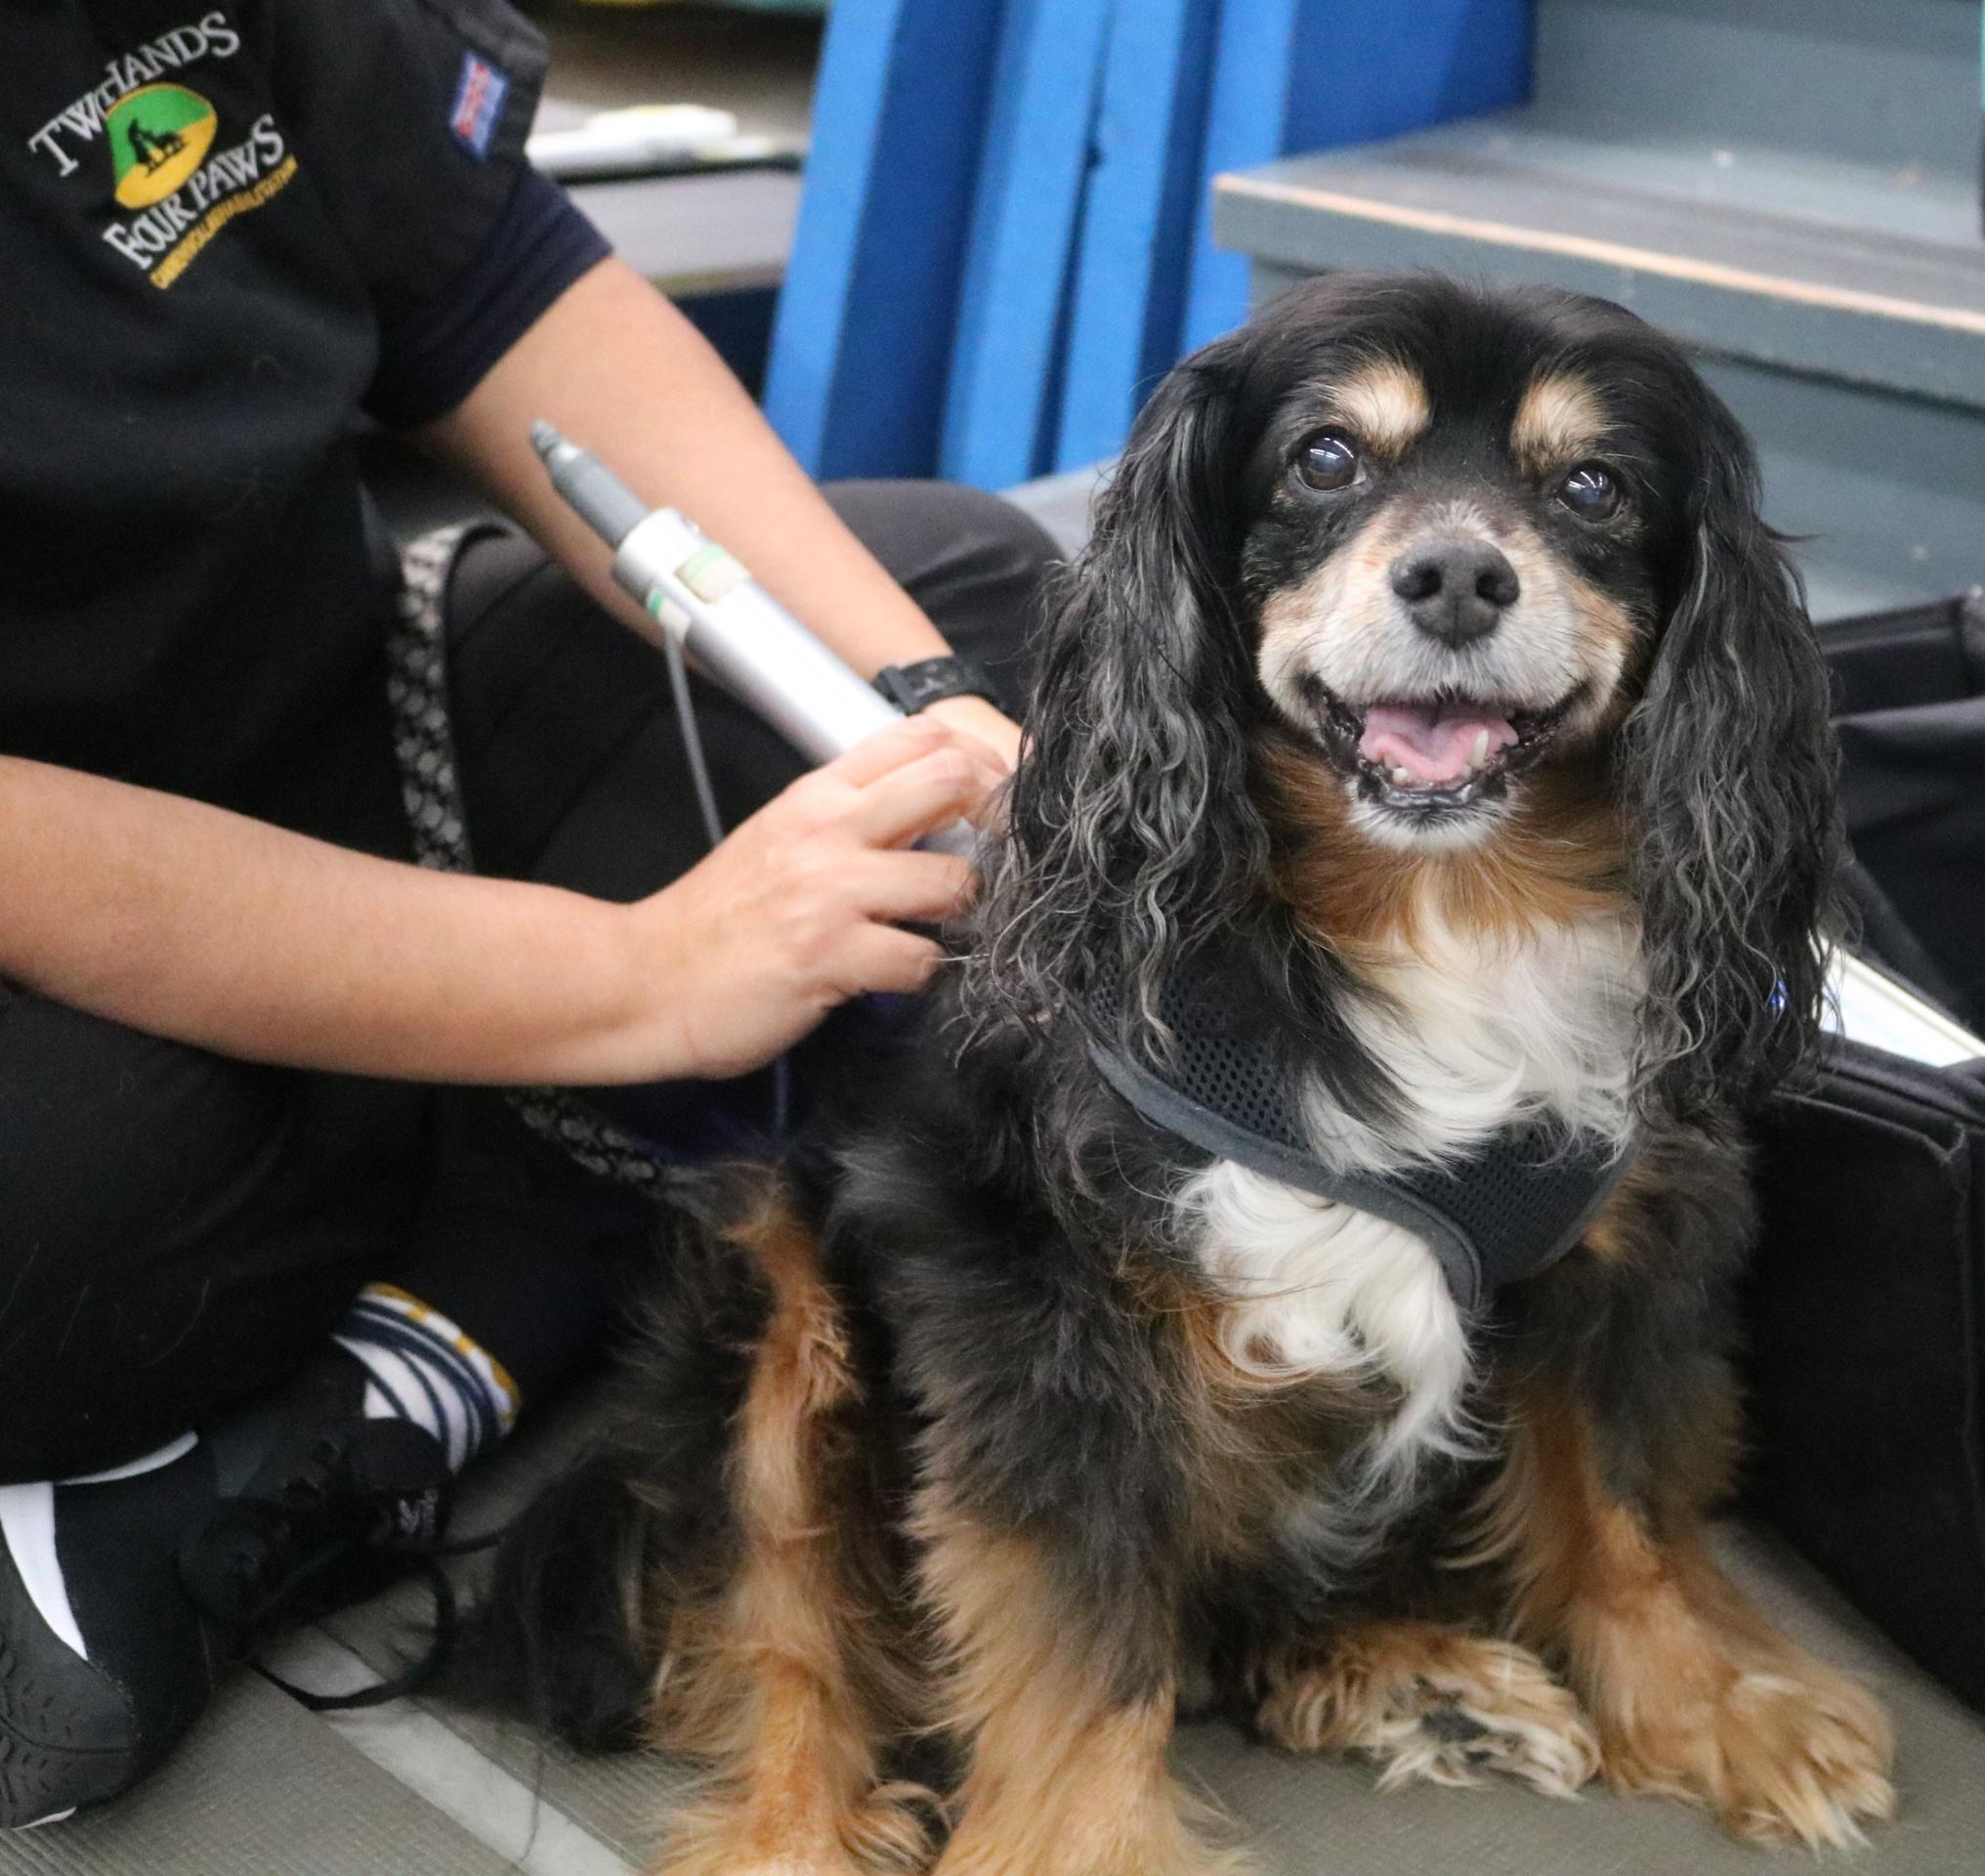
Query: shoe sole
x=51, y=1705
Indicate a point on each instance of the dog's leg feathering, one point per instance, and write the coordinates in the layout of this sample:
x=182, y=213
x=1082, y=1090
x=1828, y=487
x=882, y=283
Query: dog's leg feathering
x=785, y=1689
x=1694, y=1693
x=1068, y=1772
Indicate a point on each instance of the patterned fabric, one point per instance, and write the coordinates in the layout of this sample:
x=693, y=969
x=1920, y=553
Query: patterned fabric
x=417, y=689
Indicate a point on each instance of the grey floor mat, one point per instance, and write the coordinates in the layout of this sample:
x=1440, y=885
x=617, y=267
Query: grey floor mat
x=622, y=1799
x=263, y=1790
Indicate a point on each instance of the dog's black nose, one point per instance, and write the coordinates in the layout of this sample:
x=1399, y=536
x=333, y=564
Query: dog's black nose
x=1455, y=590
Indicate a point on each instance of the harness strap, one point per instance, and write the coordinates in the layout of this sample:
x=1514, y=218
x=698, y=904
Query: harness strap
x=1179, y=1115
x=1507, y=1211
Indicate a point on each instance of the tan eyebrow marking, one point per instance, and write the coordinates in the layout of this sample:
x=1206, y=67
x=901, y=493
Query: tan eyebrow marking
x=1561, y=418
x=1383, y=403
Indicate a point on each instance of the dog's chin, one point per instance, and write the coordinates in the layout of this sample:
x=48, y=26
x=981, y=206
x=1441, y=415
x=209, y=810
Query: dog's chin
x=1433, y=774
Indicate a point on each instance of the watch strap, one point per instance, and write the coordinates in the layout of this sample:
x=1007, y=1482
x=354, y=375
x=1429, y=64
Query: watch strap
x=914, y=687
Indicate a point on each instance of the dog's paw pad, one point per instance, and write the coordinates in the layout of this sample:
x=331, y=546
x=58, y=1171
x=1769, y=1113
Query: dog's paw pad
x=1439, y=1704
x=1538, y=1736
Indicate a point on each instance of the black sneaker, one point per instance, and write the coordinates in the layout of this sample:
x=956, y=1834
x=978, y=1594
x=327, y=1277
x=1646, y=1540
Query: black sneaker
x=318, y=1506
x=104, y=1663
x=124, y=1599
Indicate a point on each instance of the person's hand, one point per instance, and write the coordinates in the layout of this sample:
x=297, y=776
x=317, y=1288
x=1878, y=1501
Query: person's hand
x=984, y=721
x=802, y=905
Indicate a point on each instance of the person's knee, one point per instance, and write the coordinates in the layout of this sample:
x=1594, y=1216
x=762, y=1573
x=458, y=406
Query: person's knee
x=979, y=566
x=1005, y=543
x=920, y=529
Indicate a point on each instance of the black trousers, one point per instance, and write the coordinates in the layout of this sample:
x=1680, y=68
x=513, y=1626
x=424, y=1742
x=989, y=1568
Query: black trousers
x=179, y=1230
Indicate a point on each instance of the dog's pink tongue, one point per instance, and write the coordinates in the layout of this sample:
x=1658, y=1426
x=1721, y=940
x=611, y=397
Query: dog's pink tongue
x=1433, y=745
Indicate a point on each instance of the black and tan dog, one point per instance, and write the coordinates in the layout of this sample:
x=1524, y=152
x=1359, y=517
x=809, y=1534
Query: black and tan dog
x=1434, y=706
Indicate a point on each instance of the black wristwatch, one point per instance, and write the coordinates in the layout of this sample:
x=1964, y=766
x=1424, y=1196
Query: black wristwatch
x=913, y=686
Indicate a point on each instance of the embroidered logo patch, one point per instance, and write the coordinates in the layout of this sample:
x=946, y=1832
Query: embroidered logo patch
x=158, y=135
x=175, y=185
x=479, y=105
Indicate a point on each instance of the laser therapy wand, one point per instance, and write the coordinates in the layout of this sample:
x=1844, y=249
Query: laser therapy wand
x=716, y=612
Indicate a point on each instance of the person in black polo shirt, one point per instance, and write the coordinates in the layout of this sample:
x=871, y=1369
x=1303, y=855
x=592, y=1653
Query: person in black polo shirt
x=276, y=1257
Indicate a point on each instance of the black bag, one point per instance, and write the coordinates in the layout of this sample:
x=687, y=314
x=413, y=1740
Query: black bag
x=1912, y=722
x=1866, y=1303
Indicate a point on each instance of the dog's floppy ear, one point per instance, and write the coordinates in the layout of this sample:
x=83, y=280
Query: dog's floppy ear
x=1130, y=814
x=1728, y=773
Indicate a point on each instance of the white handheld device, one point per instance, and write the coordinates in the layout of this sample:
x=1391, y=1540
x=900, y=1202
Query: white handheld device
x=708, y=603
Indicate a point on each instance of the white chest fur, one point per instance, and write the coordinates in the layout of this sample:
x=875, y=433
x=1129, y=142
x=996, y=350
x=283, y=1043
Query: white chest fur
x=1475, y=1033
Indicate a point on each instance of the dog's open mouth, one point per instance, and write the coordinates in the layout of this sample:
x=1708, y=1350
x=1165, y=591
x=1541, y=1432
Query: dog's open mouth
x=1427, y=754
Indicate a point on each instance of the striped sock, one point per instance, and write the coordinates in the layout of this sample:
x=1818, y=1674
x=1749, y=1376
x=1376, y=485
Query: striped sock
x=424, y=1369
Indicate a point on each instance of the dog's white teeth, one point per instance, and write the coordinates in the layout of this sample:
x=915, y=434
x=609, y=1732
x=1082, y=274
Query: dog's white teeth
x=1402, y=777
x=1478, y=756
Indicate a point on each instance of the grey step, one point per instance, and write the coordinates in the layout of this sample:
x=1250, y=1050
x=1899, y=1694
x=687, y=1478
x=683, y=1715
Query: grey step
x=1757, y=252
x=1892, y=83
x=1888, y=492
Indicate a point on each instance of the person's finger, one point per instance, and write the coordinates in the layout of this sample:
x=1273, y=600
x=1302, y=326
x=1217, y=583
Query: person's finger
x=922, y=887
x=887, y=958
x=893, y=747
x=940, y=788
x=985, y=723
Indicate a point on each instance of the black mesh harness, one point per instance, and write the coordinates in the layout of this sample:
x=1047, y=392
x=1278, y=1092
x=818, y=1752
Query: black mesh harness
x=1508, y=1211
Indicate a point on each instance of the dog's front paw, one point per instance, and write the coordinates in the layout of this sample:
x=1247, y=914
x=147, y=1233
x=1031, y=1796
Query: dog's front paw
x=1784, y=1751
x=728, y=1834
x=710, y=1859
x=1430, y=1702
x=791, y=1867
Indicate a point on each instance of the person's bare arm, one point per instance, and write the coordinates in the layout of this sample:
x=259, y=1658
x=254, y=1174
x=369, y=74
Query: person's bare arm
x=203, y=925
x=620, y=371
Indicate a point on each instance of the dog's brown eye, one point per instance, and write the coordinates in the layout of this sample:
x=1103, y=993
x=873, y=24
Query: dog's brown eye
x=1327, y=460
x=1590, y=493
